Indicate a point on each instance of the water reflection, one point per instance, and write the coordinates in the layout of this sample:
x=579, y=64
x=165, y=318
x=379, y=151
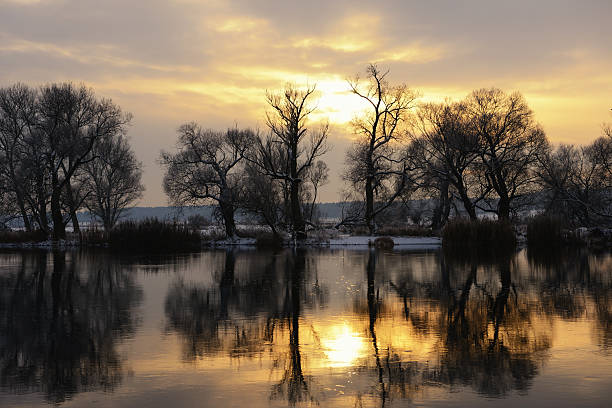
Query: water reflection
x=243, y=315
x=61, y=316
x=306, y=327
x=414, y=322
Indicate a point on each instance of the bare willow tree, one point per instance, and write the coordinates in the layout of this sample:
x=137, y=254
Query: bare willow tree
x=113, y=180
x=17, y=118
x=509, y=143
x=71, y=121
x=317, y=176
x=206, y=169
x=446, y=149
x=576, y=182
x=375, y=167
x=291, y=147
x=263, y=198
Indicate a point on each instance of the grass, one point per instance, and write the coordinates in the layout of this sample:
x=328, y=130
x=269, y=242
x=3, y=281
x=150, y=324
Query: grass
x=20, y=237
x=395, y=230
x=545, y=232
x=94, y=237
x=153, y=235
x=405, y=231
x=479, y=238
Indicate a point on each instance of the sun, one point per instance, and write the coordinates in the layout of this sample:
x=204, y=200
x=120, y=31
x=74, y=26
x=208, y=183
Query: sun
x=342, y=346
x=336, y=103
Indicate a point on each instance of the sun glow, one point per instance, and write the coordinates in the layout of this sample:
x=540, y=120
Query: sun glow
x=343, y=347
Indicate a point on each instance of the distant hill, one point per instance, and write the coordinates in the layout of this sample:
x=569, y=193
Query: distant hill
x=328, y=210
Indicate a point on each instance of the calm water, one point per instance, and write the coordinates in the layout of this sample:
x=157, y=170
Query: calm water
x=338, y=328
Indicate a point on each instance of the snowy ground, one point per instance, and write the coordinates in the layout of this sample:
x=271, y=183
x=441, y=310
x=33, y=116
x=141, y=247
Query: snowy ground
x=402, y=242
x=61, y=244
x=340, y=240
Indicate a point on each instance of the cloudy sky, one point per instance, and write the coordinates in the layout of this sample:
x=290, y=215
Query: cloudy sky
x=173, y=61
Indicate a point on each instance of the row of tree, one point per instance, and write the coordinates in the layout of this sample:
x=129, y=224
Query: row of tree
x=62, y=149
x=485, y=153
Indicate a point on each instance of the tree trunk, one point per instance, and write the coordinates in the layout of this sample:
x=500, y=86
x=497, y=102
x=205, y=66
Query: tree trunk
x=59, y=229
x=75, y=222
x=24, y=214
x=503, y=209
x=299, y=226
x=73, y=210
x=43, y=221
x=369, y=210
x=440, y=213
x=227, y=212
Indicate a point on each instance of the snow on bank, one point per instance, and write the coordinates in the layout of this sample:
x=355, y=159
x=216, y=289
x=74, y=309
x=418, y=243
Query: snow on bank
x=402, y=242
x=230, y=242
x=61, y=244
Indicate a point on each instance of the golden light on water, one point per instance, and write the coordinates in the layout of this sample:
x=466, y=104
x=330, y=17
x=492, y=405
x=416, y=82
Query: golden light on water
x=343, y=346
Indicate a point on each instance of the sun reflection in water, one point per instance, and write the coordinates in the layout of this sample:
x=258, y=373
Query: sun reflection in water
x=342, y=346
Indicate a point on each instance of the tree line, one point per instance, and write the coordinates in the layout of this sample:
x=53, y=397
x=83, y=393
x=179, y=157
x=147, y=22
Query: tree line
x=483, y=154
x=63, y=149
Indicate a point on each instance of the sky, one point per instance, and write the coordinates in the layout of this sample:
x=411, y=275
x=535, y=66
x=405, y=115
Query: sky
x=173, y=61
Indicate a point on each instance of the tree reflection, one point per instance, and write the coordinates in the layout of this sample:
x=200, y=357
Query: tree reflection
x=485, y=335
x=576, y=284
x=489, y=340
x=294, y=386
x=59, y=327
x=486, y=326
x=245, y=314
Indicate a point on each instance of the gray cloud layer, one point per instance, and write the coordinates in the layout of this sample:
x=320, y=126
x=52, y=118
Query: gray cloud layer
x=172, y=61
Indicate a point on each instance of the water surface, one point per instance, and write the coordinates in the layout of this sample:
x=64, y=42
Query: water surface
x=304, y=328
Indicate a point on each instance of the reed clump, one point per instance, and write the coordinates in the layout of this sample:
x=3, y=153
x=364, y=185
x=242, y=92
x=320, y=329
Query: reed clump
x=154, y=235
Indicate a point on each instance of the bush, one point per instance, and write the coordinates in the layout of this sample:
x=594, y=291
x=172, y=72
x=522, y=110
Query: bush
x=19, y=237
x=545, y=231
x=198, y=221
x=268, y=240
x=94, y=237
x=384, y=243
x=481, y=238
x=405, y=231
x=152, y=234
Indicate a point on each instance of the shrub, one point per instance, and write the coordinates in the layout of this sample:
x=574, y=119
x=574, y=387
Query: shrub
x=481, y=237
x=198, y=221
x=152, y=234
x=384, y=243
x=405, y=231
x=94, y=237
x=19, y=237
x=545, y=231
x=268, y=240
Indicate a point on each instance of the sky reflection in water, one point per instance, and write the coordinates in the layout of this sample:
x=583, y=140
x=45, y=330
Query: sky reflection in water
x=306, y=327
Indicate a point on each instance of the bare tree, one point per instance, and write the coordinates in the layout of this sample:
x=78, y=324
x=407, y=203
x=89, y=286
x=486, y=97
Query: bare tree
x=206, y=169
x=509, y=143
x=17, y=117
x=375, y=168
x=71, y=122
x=318, y=176
x=447, y=148
x=291, y=148
x=263, y=197
x=576, y=182
x=113, y=180
x=8, y=209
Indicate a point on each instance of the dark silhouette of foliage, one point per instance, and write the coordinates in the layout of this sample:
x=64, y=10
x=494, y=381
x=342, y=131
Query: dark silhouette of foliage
x=153, y=235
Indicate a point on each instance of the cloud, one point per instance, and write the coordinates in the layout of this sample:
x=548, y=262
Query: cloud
x=173, y=61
